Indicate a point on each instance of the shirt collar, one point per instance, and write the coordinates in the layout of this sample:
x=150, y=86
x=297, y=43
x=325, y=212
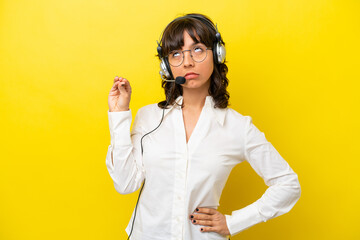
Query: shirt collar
x=219, y=113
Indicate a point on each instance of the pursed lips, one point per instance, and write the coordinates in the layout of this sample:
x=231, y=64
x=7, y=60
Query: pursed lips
x=191, y=75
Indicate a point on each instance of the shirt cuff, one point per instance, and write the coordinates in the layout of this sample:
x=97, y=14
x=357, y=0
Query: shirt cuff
x=243, y=219
x=119, y=125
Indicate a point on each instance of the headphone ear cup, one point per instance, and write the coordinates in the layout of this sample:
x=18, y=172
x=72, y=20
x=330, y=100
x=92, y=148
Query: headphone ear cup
x=165, y=68
x=219, y=53
x=219, y=50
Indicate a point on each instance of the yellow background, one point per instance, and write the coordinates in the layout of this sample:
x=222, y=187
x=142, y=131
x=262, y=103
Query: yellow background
x=293, y=67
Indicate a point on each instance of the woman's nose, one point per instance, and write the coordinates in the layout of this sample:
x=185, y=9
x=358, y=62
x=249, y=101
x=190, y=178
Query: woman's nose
x=188, y=61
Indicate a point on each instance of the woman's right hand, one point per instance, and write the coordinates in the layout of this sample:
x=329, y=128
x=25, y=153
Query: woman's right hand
x=119, y=96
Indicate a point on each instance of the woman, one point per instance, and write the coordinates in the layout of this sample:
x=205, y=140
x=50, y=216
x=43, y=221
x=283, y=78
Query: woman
x=187, y=158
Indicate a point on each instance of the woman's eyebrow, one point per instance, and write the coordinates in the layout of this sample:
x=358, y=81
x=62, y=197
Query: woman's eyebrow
x=194, y=44
x=183, y=46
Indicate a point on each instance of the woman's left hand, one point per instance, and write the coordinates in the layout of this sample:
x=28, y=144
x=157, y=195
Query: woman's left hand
x=212, y=218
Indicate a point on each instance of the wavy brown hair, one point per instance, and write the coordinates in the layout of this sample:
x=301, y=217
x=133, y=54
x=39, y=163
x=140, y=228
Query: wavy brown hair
x=172, y=39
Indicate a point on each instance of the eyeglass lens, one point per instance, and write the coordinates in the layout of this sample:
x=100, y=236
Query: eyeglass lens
x=198, y=54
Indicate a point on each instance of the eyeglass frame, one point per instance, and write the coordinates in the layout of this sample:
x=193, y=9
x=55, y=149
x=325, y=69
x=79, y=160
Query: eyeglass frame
x=183, y=55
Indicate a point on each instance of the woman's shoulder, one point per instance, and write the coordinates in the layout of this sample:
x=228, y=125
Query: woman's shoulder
x=150, y=111
x=148, y=107
x=233, y=115
x=149, y=116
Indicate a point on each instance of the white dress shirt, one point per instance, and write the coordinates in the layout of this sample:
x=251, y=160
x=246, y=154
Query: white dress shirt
x=182, y=176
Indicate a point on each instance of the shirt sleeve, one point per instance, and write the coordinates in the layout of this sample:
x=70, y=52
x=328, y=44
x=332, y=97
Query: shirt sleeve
x=124, y=158
x=283, y=185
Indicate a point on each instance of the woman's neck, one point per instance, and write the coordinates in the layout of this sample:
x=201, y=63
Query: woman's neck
x=193, y=99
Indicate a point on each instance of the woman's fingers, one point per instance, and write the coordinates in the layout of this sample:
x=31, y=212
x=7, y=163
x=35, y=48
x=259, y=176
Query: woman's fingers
x=121, y=79
x=203, y=222
x=125, y=84
x=120, y=94
x=200, y=216
x=118, y=79
x=201, y=219
x=211, y=220
x=122, y=83
x=116, y=84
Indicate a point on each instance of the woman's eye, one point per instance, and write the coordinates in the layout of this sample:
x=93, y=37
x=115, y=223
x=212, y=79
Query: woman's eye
x=199, y=48
x=176, y=54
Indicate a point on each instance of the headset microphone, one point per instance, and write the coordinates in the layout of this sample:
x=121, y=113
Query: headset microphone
x=178, y=80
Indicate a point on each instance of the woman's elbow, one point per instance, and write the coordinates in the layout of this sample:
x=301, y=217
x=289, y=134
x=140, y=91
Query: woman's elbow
x=298, y=191
x=294, y=188
x=122, y=190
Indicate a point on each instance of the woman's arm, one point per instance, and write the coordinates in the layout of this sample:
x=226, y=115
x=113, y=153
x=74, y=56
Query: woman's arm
x=123, y=159
x=284, y=187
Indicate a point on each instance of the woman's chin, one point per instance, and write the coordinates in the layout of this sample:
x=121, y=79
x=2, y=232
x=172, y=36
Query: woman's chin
x=191, y=85
x=194, y=83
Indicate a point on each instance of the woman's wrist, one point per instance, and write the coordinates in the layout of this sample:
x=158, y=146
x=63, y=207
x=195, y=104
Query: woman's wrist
x=119, y=110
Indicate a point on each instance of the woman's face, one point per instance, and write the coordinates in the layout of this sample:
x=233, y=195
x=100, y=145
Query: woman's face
x=202, y=69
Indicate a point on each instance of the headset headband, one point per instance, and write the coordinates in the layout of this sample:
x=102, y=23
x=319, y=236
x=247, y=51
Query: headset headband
x=189, y=16
x=218, y=49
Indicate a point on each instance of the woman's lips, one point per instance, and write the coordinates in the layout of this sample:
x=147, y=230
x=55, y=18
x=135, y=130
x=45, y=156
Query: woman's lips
x=191, y=76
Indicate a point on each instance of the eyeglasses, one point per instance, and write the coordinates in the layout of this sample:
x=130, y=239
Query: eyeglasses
x=198, y=53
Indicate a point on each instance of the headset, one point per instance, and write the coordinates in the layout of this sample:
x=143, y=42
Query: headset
x=219, y=54
x=218, y=49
